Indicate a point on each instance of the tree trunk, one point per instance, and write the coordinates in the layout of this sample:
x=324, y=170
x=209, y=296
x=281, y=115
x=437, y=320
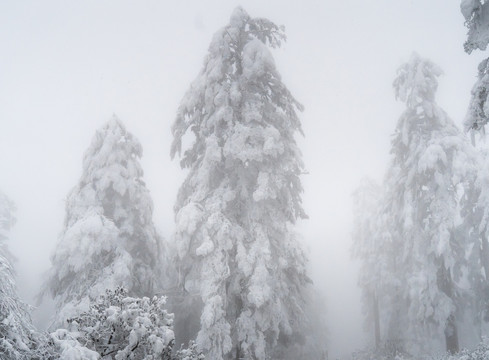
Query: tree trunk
x=451, y=335
x=376, y=321
x=485, y=254
x=445, y=284
x=484, y=259
x=239, y=307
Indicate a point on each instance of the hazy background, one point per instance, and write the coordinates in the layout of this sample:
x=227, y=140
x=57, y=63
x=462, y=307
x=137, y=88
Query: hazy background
x=67, y=66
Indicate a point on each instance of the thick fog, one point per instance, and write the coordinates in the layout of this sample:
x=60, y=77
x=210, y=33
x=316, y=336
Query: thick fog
x=66, y=67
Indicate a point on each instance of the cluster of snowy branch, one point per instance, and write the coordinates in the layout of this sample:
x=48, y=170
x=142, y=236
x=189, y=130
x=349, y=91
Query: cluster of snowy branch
x=127, y=327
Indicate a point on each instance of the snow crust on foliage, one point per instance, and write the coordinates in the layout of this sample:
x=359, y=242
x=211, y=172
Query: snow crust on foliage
x=70, y=348
x=433, y=154
x=234, y=211
x=416, y=84
x=257, y=60
x=468, y=7
x=108, y=239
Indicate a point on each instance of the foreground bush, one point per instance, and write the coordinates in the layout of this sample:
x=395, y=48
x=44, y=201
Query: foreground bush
x=121, y=327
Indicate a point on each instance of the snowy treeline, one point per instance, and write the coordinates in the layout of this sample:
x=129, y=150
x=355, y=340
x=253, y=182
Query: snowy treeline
x=232, y=281
x=234, y=273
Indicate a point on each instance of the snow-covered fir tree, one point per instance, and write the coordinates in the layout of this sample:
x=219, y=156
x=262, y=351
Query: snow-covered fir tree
x=431, y=160
x=476, y=216
x=234, y=213
x=109, y=238
x=18, y=339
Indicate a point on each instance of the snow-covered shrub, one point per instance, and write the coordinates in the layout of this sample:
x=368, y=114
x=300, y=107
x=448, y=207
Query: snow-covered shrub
x=69, y=348
x=190, y=353
x=121, y=327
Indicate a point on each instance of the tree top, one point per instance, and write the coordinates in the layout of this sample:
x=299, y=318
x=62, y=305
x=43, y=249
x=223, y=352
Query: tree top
x=417, y=81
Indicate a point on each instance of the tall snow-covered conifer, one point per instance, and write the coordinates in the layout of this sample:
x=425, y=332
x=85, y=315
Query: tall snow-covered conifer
x=108, y=239
x=234, y=212
x=431, y=160
x=476, y=215
x=16, y=330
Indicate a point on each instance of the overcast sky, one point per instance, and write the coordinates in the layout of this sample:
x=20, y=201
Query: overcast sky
x=67, y=66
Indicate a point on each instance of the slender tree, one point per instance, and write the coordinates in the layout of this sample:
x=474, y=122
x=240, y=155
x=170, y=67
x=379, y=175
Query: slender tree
x=108, y=239
x=431, y=159
x=235, y=210
x=368, y=247
x=16, y=330
x=475, y=216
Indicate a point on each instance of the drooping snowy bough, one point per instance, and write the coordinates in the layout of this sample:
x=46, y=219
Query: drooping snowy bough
x=234, y=213
x=109, y=238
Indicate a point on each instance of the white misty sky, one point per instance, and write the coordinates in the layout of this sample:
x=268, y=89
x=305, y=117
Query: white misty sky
x=67, y=66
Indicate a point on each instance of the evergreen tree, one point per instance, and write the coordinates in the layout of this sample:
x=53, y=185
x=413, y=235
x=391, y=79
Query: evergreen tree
x=476, y=14
x=108, y=239
x=431, y=160
x=235, y=210
x=16, y=330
